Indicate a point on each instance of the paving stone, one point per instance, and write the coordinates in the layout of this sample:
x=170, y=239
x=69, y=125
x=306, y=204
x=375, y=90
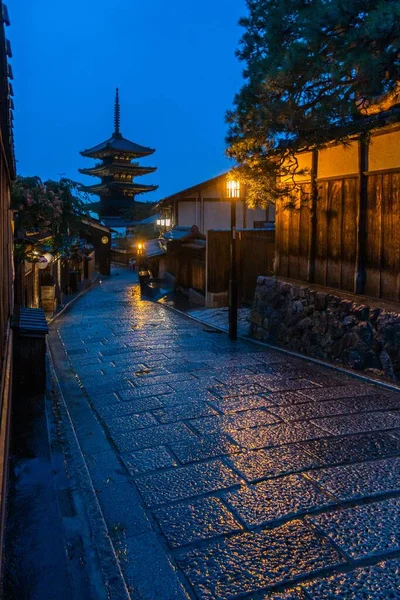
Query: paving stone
x=186, y=411
x=153, y=379
x=264, y=464
x=107, y=387
x=194, y=396
x=363, y=531
x=104, y=467
x=153, y=436
x=77, y=351
x=243, y=379
x=111, y=411
x=287, y=398
x=209, y=446
x=198, y=520
x=130, y=422
x=345, y=391
x=276, y=499
x=234, y=422
x=374, y=402
x=116, y=351
x=142, y=345
x=292, y=594
x=353, y=448
x=359, y=423
x=86, y=362
x=277, y=435
x=149, y=459
x=381, y=581
x=361, y=479
x=311, y=410
x=245, y=563
x=105, y=399
x=186, y=482
x=143, y=392
x=148, y=571
x=248, y=389
x=280, y=385
x=233, y=405
x=181, y=367
x=123, y=510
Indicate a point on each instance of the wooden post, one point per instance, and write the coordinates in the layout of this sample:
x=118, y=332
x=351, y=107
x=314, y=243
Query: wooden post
x=36, y=286
x=313, y=218
x=359, y=270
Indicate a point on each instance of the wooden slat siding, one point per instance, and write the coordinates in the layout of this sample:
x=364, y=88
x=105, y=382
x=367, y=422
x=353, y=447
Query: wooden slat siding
x=390, y=237
x=198, y=276
x=255, y=256
x=187, y=265
x=350, y=189
x=304, y=235
x=373, y=237
x=283, y=238
x=310, y=228
x=293, y=241
x=321, y=241
x=361, y=202
x=334, y=241
x=218, y=264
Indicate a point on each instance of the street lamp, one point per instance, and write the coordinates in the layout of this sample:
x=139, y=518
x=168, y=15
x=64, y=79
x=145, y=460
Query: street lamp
x=233, y=194
x=164, y=222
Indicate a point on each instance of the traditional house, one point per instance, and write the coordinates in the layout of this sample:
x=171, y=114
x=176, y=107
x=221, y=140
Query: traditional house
x=7, y=172
x=205, y=206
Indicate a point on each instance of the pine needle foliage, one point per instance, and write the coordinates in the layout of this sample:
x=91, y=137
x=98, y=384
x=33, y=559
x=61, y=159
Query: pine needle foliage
x=311, y=66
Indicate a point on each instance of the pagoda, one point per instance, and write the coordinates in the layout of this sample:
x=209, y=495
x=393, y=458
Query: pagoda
x=117, y=170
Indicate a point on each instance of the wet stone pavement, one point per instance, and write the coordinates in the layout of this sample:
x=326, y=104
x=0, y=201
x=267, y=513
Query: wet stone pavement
x=226, y=470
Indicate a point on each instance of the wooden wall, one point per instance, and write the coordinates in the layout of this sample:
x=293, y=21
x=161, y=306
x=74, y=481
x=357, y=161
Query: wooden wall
x=7, y=173
x=186, y=263
x=337, y=247
x=255, y=256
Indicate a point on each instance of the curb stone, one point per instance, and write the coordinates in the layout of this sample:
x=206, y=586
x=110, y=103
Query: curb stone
x=106, y=576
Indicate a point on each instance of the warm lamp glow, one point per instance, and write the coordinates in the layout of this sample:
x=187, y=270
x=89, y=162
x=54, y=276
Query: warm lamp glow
x=167, y=222
x=158, y=222
x=233, y=188
x=140, y=246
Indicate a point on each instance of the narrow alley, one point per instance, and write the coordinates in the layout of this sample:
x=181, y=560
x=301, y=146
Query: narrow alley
x=205, y=468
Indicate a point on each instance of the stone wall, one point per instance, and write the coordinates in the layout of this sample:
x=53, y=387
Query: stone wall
x=327, y=326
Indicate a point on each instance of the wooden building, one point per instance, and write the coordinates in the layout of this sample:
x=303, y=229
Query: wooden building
x=205, y=206
x=7, y=174
x=344, y=231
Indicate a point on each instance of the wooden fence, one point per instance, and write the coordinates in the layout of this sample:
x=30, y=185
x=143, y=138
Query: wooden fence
x=334, y=249
x=255, y=256
x=186, y=262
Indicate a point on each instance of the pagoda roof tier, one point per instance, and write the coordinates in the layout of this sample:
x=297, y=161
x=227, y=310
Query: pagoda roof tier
x=116, y=145
x=104, y=170
x=128, y=189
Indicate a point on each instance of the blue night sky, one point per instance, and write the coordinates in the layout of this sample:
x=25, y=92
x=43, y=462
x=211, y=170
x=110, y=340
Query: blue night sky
x=174, y=63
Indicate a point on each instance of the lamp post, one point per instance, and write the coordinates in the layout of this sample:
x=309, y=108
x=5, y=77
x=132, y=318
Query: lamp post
x=164, y=222
x=139, y=254
x=233, y=194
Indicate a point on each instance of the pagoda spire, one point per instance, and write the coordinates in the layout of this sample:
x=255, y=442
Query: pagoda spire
x=117, y=114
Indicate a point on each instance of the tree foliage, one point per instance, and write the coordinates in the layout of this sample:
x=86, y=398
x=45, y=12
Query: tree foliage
x=311, y=66
x=52, y=208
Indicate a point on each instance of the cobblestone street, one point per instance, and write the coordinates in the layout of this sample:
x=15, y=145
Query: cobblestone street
x=224, y=469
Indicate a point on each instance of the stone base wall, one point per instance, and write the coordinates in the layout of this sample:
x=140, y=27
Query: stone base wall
x=327, y=326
